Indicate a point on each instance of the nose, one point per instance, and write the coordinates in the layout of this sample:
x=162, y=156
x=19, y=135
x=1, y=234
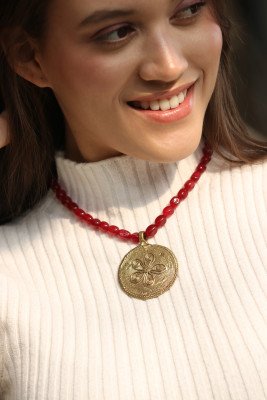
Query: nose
x=163, y=59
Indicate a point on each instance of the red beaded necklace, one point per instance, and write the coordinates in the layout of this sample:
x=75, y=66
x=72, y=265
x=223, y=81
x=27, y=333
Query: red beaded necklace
x=148, y=270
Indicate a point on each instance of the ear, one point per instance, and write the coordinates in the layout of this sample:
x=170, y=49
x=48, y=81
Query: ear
x=23, y=58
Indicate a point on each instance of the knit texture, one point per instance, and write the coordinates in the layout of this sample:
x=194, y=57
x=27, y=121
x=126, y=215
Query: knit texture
x=68, y=331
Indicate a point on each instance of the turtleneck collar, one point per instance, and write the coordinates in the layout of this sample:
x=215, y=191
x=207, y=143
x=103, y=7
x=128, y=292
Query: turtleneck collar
x=110, y=187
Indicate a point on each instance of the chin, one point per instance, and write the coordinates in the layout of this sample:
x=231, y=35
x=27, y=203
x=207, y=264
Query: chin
x=169, y=156
x=172, y=154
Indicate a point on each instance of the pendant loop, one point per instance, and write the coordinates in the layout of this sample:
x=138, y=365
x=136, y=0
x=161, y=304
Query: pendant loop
x=142, y=240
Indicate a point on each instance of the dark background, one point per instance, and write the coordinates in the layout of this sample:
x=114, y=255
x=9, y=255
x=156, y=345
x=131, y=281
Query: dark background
x=251, y=62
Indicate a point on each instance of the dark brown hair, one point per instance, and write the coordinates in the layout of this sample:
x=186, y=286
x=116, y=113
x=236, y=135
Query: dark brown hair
x=37, y=124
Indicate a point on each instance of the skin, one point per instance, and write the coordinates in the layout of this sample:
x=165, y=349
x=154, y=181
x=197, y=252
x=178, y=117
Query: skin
x=93, y=81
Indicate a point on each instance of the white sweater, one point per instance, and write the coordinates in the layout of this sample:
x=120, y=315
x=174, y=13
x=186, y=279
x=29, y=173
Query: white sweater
x=70, y=333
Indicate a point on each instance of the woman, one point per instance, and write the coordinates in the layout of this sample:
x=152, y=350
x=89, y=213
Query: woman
x=128, y=93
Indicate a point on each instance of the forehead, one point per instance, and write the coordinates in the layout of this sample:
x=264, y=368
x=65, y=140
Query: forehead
x=78, y=8
x=68, y=16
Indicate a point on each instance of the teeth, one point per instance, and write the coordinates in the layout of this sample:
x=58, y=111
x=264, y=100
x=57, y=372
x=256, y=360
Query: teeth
x=181, y=98
x=154, y=105
x=174, y=102
x=145, y=105
x=164, y=104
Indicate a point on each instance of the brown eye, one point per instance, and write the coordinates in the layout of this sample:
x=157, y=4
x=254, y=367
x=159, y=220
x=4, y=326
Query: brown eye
x=117, y=35
x=190, y=11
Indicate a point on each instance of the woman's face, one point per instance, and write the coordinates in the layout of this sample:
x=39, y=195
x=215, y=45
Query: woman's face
x=131, y=76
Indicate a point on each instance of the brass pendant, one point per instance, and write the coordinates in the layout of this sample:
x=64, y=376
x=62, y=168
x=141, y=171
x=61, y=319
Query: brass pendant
x=148, y=270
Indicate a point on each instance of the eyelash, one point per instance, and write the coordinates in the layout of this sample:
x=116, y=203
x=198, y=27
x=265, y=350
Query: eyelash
x=194, y=8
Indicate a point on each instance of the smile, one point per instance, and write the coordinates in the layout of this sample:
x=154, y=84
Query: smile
x=163, y=105
x=171, y=108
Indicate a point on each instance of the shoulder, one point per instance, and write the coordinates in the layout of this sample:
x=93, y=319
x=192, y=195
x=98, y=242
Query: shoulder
x=239, y=187
x=21, y=238
x=257, y=171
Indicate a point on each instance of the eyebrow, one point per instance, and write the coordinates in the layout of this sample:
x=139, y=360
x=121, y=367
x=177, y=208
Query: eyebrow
x=104, y=15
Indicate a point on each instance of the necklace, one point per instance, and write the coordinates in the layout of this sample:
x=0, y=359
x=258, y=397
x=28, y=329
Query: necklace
x=148, y=270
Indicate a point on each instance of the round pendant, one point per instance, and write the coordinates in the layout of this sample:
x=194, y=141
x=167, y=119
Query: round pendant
x=148, y=270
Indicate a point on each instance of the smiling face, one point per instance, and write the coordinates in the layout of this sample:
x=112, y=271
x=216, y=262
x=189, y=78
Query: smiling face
x=131, y=76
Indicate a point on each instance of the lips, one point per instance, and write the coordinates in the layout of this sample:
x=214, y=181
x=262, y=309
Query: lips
x=168, y=109
x=163, y=105
x=163, y=95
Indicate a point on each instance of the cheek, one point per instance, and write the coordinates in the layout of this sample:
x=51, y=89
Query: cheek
x=208, y=46
x=74, y=70
x=215, y=40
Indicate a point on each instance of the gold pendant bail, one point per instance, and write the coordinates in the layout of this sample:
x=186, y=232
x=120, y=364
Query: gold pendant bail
x=142, y=240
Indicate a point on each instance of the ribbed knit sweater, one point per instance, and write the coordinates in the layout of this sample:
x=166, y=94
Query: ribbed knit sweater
x=68, y=330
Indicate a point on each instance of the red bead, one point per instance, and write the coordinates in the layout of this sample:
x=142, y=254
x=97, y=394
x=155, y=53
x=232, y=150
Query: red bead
x=207, y=150
x=59, y=189
x=205, y=159
x=175, y=201
x=135, y=237
x=88, y=219
x=196, y=176
x=113, y=230
x=123, y=234
x=96, y=222
x=151, y=231
x=189, y=185
x=72, y=206
x=168, y=211
x=66, y=201
x=160, y=221
x=182, y=194
x=55, y=186
x=60, y=194
x=104, y=226
x=201, y=168
x=79, y=212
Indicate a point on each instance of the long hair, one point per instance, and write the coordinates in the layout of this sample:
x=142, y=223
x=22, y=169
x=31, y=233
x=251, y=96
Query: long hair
x=36, y=122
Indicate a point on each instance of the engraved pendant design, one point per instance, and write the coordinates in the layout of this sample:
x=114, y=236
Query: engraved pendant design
x=148, y=270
